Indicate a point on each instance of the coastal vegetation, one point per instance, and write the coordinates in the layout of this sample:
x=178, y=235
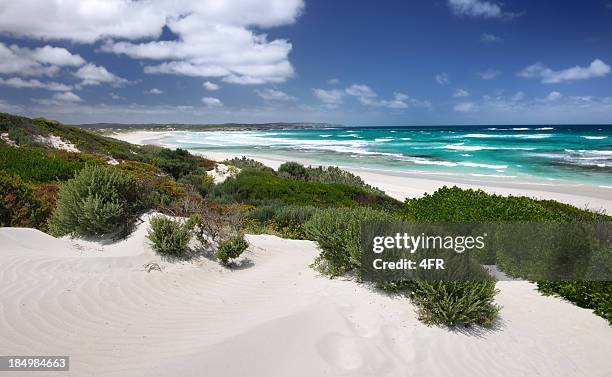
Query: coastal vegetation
x=231, y=248
x=104, y=187
x=98, y=201
x=169, y=237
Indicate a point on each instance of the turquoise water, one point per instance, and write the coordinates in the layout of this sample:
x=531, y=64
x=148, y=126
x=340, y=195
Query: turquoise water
x=576, y=154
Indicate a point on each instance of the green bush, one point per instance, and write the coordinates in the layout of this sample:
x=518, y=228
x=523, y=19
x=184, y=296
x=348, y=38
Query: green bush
x=453, y=303
x=177, y=162
x=333, y=174
x=258, y=187
x=282, y=220
x=337, y=231
x=596, y=295
x=19, y=204
x=293, y=170
x=98, y=201
x=169, y=237
x=231, y=248
x=455, y=204
x=248, y=163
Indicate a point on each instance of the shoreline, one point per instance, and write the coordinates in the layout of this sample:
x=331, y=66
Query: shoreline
x=402, y=185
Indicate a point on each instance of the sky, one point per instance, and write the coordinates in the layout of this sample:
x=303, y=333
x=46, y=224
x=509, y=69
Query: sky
x=361, y=63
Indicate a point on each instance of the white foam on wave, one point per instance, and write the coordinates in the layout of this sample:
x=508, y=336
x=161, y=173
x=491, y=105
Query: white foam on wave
x=471, y=148
x=519, y=136
x=405, y=138
x=599, y=158
x=594, y=137
x=545, y=128
x=383, y=139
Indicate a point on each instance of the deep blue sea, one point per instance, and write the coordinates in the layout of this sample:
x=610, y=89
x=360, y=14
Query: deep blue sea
x=576, y=154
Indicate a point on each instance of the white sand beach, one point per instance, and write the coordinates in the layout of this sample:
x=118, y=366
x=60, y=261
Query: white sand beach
x=273, y=316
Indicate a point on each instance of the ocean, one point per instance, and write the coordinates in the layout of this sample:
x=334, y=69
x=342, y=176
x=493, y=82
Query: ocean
x=580, y=154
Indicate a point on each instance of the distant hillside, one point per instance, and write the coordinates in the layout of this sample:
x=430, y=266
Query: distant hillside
x=102, y=127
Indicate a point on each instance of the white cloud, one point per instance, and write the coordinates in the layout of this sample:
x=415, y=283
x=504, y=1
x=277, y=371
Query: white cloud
x=42, y=61
x=461, y=93
x=490, y=38
x=154, y=91
x=331, y=98
x=212, y=102
x=17, y=82
x=67, y=97
x=92, y=74
x=442, y=79
x=479, y=8
x=274, y=95
x=210, y=86
x=213, y=38
x=553, y=96
x=364, y=94
x=465, y=107
x=402, y=101
x=597, y=68
x=333, y=81
x=489, y=74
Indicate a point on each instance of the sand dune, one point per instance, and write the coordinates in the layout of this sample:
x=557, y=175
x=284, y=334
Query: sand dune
x=272, y=316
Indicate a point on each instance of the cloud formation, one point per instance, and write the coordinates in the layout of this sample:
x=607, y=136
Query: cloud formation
x=597, y=68
x=459, y=93
x=213, y=38
x=92, y=74
x=366, y=96
x=442, y=78
x=154, y=91
x=479, y=8
x=212, y=102
x=18, y=82
x=465, y=107
x=489, y=74
x=490, y=38
x=331, y=98
x=274, y=95
x=210, y=86
x=42, y=61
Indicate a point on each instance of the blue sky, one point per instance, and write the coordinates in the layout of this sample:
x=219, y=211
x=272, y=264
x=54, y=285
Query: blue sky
x=351, y=62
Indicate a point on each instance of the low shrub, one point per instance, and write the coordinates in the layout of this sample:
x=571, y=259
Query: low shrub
x=282, y=220
x=201, y=183
x=455, y=204
x=247, y=163
x=257, y=187
x=169, y=237
x=20, y=206
x=293, y=170
x=176, y=162
x=453, y=303
x=596, y=295
x=231, y=248
x=212, y=222
x=98, y=201
x=333, y=174
x=337, y=231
